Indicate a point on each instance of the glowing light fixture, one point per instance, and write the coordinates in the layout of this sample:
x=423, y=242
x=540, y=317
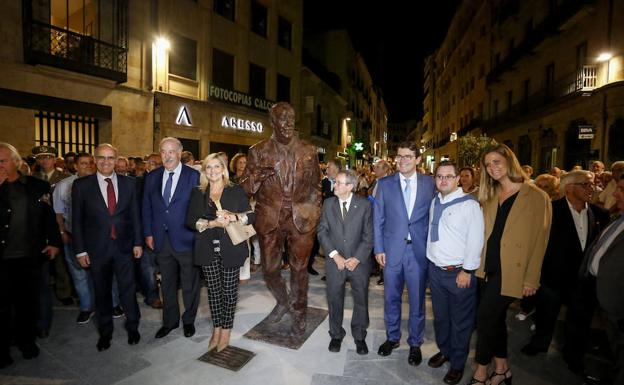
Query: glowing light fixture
x=162, y=43
x=605, y=56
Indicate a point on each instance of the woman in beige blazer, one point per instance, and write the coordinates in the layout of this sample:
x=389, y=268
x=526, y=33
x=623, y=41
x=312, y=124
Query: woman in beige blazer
x=517, y=223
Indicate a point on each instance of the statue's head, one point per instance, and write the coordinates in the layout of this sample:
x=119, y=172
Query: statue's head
x=282, y=118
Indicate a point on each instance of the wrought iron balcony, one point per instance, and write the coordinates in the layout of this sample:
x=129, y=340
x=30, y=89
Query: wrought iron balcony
x=57, y=47
x=579, y=83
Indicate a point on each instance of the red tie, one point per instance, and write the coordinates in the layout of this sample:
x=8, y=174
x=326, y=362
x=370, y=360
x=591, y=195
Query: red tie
x=112, y=203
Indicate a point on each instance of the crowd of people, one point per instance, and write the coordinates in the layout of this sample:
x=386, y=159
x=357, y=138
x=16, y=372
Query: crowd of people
x=101, y=227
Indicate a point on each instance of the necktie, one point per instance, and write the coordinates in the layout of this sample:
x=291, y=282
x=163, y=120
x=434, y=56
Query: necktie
x=45, y=177
x=600, y=241
x=168, y=185
x=344, y=210
x=407, y=194
x=112, y=203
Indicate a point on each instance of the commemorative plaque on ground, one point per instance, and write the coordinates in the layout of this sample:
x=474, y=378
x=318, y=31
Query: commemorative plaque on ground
x=231, y=358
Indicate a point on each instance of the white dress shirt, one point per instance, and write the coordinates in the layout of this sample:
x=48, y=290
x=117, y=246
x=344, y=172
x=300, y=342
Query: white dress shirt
x=104, y=186
x=580, y=222
x=461, y=233
x=61, y=199
x=176, y=177
x=413, y=188
x=348, y=200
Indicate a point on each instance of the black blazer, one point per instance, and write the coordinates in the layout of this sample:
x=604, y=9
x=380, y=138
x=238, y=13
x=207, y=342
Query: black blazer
x=233, y=199
x=326, y=188
x=91, y=222
x=41, y=223
x=564, y=254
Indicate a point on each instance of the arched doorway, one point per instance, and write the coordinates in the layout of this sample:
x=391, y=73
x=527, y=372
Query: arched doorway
x=577, y=150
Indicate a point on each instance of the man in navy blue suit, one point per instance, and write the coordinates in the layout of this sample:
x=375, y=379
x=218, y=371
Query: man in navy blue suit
x=400, y=225
x=166, y=198
x=107, y=233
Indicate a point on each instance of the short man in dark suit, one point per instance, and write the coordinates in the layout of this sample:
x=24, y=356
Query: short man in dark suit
x=28, y=237
x=166, y=196
x=107, y=233
x=327, y=191
x=575, y=224
x=346, y=234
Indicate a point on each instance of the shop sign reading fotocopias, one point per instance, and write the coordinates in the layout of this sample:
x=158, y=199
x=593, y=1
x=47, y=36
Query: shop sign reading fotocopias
x=237, y=97
x=241, y=124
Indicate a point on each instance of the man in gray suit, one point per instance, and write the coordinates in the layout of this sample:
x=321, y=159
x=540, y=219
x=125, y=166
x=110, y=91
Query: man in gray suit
x=346, y=233
x=606, y=262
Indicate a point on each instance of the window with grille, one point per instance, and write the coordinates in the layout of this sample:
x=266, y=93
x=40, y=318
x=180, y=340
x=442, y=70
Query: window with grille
x=66, y=132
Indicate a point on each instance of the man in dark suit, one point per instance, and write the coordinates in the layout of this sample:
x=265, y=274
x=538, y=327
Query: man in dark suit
x=605, y=261
x=400, y=224
x=28, y=236
x=166, y=198
x=575, y=224
x=107, y=233
x=346, y=234
x=327, y=191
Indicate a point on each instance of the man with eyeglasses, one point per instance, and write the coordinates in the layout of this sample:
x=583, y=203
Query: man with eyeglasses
x=456, y=233
x=575, y=224
x=346, y=232
x=400, y=223
x=107, y=235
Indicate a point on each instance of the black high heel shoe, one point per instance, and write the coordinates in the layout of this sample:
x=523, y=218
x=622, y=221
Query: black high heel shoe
x=506, y=380
x=475, y=381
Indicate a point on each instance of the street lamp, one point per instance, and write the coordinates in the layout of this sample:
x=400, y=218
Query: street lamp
x=605, y=56
x=161, y=47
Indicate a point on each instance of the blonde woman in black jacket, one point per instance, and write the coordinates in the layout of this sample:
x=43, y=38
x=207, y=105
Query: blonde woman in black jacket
x=214, y=204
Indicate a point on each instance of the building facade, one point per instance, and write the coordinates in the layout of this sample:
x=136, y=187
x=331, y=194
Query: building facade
x=75, y=74
x=366, y=116
x=544, y=78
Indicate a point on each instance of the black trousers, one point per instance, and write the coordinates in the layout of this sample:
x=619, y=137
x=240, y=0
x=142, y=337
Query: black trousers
x=103, y=266
x=578, y=320
x=178, y=270
x=491, y=322
x=547, y=306
x=19, y=286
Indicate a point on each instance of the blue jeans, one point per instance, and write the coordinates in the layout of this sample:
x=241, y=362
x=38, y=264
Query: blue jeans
x=82, y=280
x=146, y=267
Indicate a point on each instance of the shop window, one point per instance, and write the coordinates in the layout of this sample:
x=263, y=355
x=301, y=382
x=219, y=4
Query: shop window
x=222, y=69
x=257, y=80
x=66, y=132
x=225, y=8
x=284, y=33
x=183, y=57
x=283, y=88
x=259, y=18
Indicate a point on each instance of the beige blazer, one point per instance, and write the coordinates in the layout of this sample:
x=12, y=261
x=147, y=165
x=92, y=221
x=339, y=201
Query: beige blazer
x=524, y=239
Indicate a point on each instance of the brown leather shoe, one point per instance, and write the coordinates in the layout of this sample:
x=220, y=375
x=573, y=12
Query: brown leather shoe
x=453, y=376
x=437, y=360
x=157, y=304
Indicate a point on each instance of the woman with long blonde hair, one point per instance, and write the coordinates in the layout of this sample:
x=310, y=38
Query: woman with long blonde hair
x=517, y=219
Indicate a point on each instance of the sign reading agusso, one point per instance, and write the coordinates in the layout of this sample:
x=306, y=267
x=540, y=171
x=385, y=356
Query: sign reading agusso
x=241, y=124
x=240, y=98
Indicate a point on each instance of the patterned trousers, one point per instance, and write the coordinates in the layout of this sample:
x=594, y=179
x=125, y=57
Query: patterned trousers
x=222, y=290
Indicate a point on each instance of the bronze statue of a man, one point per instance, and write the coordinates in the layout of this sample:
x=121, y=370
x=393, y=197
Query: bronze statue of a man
x=284, y=175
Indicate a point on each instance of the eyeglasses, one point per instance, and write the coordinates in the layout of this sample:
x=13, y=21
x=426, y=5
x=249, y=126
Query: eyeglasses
x=584, y=184
x=445, y=177
x=405, y=157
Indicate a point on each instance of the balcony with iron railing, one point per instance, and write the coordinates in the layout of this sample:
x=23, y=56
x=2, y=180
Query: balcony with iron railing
x=57, y=47
x=579, y=83
x=548, y=27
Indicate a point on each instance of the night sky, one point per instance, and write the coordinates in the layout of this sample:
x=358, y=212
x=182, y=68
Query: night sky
x=394, y=37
